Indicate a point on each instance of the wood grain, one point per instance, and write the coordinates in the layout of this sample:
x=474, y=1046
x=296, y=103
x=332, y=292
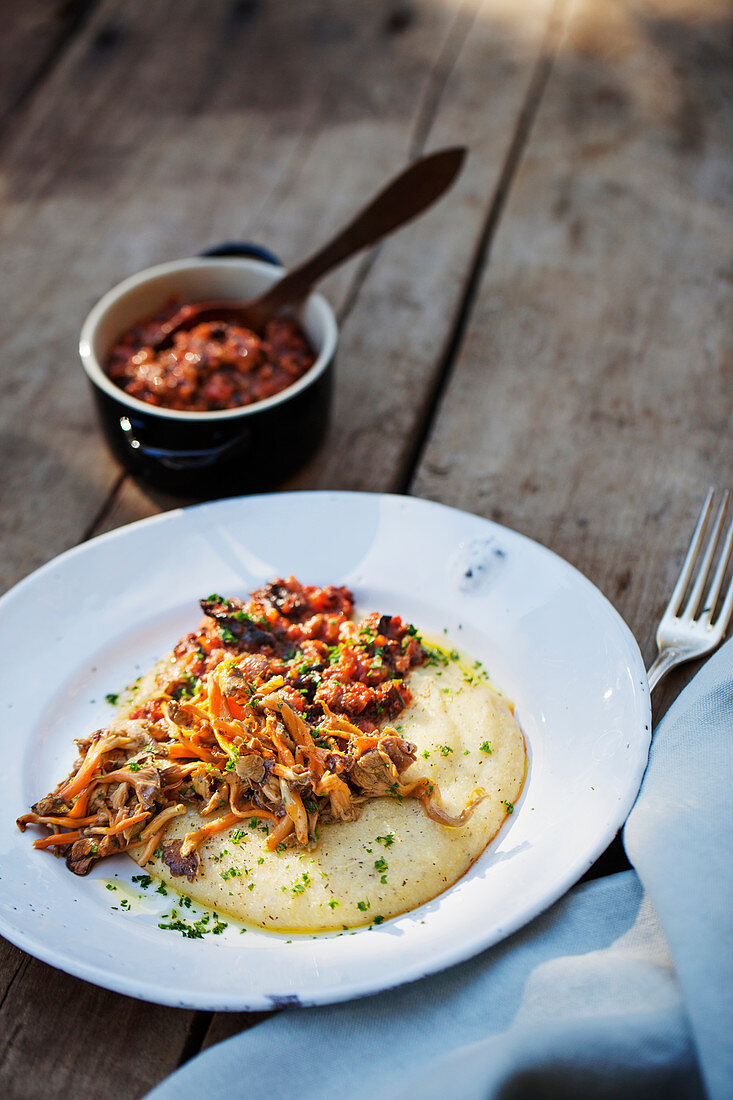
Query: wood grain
x=591, y=401
x=34, y=37
x=60, y=1036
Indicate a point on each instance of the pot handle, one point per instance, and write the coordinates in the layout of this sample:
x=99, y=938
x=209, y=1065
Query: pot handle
x=175, y=459
x=243, y=248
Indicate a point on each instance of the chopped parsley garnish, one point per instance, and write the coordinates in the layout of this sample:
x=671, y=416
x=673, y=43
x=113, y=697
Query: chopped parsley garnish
x=195, y=930
x=111, y=886
x=190, y=931
x=363, y=906
x=134, y=766
x=378, y=920
x=381, y=864
x=333, y=903
x=186, y=688
x=112, y=697
x=395, y=790
x=485, y=746
x=445, y=750
x=508, y=806
x=435, y=657
x=387, y=840
x=299, y=887
x=142, y=880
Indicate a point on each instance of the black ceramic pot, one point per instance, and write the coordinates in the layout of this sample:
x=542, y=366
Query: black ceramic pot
x=209, y=454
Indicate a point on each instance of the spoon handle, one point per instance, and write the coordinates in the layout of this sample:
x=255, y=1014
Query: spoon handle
x=411, y=192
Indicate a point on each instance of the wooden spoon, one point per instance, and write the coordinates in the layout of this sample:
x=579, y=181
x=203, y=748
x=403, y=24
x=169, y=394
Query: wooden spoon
x=409, y=193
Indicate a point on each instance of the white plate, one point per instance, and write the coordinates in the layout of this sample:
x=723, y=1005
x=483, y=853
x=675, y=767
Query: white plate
x=86, y=623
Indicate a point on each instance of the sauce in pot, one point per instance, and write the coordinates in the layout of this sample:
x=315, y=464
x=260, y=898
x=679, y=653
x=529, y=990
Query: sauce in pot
x=214, y=365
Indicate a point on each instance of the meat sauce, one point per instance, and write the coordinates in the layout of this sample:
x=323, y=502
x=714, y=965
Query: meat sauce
x=304, y=634
x=214, y=365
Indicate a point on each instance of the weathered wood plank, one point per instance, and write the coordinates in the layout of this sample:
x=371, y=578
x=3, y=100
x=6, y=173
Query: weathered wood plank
x=591, y=402
x=103, y=1044
x=179, y=143
x=34, y=35
x=226, y=1024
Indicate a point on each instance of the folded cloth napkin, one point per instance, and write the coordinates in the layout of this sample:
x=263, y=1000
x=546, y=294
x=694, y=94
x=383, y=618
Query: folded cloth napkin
x=622, y=990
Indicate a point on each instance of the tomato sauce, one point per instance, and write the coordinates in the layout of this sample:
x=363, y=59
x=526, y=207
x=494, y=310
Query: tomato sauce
x=214, y=365
x=305, y=635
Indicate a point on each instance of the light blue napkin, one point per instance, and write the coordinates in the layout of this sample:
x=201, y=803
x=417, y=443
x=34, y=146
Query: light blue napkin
x=624, y=989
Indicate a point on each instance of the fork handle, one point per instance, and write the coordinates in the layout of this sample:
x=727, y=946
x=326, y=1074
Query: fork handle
x=664, y=662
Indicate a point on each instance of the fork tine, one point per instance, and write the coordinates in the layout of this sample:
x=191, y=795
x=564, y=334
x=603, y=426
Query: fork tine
x=684, y=577
x=726, y=610
x=702, y=576
x=717, y=584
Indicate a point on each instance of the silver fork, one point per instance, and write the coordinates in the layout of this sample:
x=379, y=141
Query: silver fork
x=684, y=635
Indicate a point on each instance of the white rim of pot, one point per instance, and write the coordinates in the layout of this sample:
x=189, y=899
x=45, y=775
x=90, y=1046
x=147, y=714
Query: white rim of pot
x=97, y=375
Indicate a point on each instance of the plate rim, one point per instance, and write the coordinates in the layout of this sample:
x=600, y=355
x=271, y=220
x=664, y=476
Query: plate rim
x=461, y=951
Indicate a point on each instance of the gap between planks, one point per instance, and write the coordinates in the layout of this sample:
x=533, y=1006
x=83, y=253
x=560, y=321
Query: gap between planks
x=525, y=121
x=427, y=112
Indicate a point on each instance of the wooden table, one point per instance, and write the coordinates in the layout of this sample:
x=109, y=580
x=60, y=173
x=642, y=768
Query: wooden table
x=547, y=347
